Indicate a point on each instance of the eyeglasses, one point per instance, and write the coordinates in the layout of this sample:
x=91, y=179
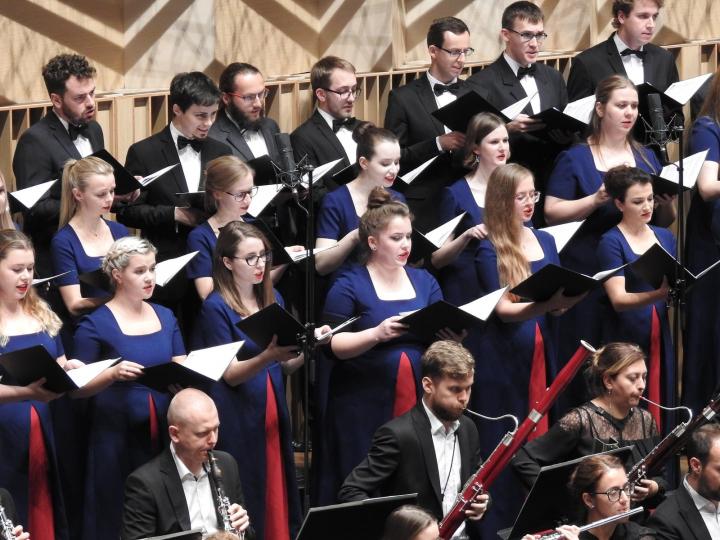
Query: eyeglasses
x=533, y=196
x=253, y=260
x=241, y=195
x=250, y=98
x=347, y=93
x=613, y=494
x=528, y=36
x=457, y=53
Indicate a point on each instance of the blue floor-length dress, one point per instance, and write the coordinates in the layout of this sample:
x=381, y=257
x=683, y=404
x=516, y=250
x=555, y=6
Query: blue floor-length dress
x=15, y=439
x=701, y=366
x=576, y=176
x=504, y=354
x=361, y=391
x=242, y=410
x=123, y=434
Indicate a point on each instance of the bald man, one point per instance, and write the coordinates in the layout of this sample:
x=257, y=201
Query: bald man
x=174, y=492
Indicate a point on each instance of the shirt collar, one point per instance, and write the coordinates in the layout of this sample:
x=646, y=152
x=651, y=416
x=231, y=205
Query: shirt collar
x=515, y=66
x=327, y=117
x=436, y=426
x=434, y=81
x=620, y=44
x=701, y=503
x=64, y=122
x=175, y=133
x=182, y=469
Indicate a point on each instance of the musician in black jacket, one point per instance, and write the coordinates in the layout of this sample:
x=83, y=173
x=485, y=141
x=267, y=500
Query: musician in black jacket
x=433, y=448
x=691, y=511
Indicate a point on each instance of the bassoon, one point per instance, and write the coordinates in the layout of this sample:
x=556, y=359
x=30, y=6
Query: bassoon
x=509, y=445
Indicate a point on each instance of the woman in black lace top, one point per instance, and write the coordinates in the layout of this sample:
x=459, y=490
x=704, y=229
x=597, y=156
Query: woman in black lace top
x=612, y=419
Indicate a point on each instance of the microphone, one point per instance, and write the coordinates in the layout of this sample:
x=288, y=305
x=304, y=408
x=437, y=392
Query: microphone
x=288, y=173
x=659, y=134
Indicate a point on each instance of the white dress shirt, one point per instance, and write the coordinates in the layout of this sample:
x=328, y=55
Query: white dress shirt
x=198, y=496
x=633, y=64
x=344, y=135
x=527, y=82
x=708, y=511
x=189, y=161
x=82, y=143
x=253, y=137
x=447, y=454
x=441, y=100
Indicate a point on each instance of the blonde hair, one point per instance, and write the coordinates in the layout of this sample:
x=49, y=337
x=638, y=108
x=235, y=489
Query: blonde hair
x=119, y=253
x=6, y=221
x=75, y=176
x=31, y=303
x=230, y=237
x=512, y=265
x=221, y=173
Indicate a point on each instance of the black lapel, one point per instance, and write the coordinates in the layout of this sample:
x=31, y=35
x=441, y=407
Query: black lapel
x=61, y=135
x=233, y=136
x=269, y=136
x=650, y=69
x=691, y=515
x=421, y=424
x=425, y=95
x=512, y=84
x=545, y=90
x=614, y=58
x=467, y=467
x=174, y=490
x=170, y=156
x=327, y=133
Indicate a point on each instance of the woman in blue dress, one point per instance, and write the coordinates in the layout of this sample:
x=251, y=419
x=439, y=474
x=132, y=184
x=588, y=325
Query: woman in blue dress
x=515, y=353
x=486, y=147
x=374, y=369
x=125, y=426
x=378, y=156
x=637, y=312
x=576, y=192
x=701, y=371
x=251, y=399
x=29, y=466
x=84, y=236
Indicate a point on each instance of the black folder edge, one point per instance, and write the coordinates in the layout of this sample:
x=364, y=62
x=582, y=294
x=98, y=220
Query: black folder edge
x=549, y=500
x=15, y=204
x=662, y=186
x=422, y=246
x=347, y=174
x=194, y=534
x=556, y=119
x=280, y=256
x=359, y=520
x=426, y=322
x=160, y=376
x=96, y=278
x=668, y=103
x=194, y=199
x=264, y=168
x=541, y=285
x=271, y=320
x=457, y=114
x=125, y=182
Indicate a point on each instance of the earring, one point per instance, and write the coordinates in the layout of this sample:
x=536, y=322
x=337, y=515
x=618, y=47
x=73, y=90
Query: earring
x=373, y=248
x=476, y=159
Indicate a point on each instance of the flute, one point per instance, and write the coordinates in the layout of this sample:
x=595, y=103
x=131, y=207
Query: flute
x=8, y=529
x=555, y=535
x=222, y=499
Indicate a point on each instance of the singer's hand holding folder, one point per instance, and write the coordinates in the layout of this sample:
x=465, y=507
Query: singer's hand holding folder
x=544, y=283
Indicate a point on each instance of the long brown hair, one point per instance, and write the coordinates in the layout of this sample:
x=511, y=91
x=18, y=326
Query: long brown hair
x=230, y=237
x=479, y=127
x=513, y=266
x=711, y=105
x=31, y=303
x=75, y=175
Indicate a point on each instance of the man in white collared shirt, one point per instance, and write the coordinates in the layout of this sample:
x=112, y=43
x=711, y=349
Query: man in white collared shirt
x=430, y=450
x=175, y=492
x=691, y=512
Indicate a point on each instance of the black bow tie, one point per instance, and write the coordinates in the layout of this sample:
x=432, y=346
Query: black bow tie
x=197, y=144
x=639, y=54
x=522, y=71
x=349, y=123
x=440, y=89
x=76, y=131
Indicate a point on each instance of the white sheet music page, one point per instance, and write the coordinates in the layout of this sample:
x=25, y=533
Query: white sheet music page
x=440, y=235
x=212, y=361
x=320, y=171
x=581, y=109
x=166, y=270
x=563, y=233
x=691, y=170
x=417, y=171
x=147, y=180
x=29, y=196
x=516, y=108
x=483, y=307
x=682, y=91
x=263, y=197
x=83, y=375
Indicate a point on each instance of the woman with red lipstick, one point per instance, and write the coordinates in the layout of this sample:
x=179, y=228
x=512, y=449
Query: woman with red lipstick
x=373, y=373
x=126, y=418
x=84, y=235
x=616, y=377
x=638, y=312
x=378, y=156
x=515, y=351
x=486, y=146
x=29, y=467
x=576, y=191
x=251, y=402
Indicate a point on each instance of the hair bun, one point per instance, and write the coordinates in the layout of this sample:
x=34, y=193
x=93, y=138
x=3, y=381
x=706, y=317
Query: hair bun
x=378, y=197
x=361, y=129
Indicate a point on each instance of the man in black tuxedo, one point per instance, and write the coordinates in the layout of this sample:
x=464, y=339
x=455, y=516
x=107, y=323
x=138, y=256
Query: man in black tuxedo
x=8, y=506
x=241, y=122
x=176, y=491
x=691, y=511
x=422, y=136
x=432, y=449
x=517, y=74
x=165, y=219
x=68, y=131
x=627, y=52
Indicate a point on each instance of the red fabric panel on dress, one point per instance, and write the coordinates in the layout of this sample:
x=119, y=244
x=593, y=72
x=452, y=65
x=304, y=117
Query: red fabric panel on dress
x=538, y=382
x=276, y=502
x=405, y=392
x=154, y=432
x=41, y=521
x=653, y=383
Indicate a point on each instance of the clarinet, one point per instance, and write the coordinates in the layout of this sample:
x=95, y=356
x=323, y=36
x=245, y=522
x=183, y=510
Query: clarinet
x=555, y=535
x=8, y=529
x=222, y=499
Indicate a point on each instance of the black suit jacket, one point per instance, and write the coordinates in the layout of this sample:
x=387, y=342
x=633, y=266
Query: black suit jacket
x=402, y=460
x=677, y=518
x=599, y=62
x=314, y=139
x=154, y=211
x=409, y=116
x=154, y=498
x=40, y=156
x=225, y=131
